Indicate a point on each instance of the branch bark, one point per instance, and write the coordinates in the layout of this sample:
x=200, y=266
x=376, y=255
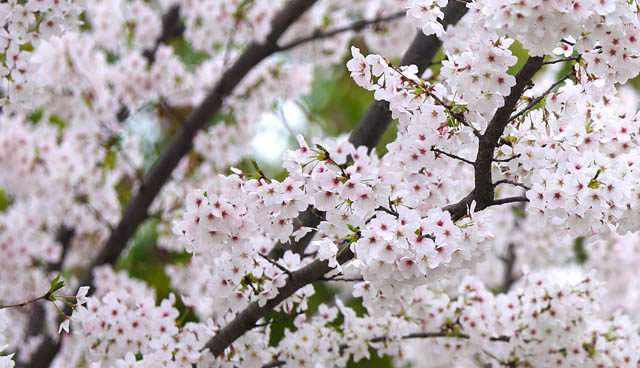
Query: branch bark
x=484, y=192
x=484, y=188
x=171, y=28
x=179, y=145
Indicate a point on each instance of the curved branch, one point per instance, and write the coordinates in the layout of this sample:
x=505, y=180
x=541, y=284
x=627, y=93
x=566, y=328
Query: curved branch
x=483, y=194
x=355, y=26
x=179, y=145
x=484, y=188
x=510, y=200
x=247, y=319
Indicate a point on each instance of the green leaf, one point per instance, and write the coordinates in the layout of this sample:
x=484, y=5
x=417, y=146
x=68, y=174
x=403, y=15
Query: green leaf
x=110, y=160
x=56, y=121
x=5, y=201
x=35, y=116
x=56, y=284
x=187, y=53
x=254, y=163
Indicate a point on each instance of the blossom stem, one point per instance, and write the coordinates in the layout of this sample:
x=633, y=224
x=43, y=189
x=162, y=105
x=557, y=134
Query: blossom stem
x=438, y=152
x=43, y=297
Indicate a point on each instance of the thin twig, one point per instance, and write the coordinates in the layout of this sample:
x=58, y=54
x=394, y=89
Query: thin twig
x=357, y=279
x=510, y=200
x=507, y=181
x=278, y=265
x=575, y=58
x=43, y=297
x=355, y=26
x=438, y=151
x=536, y=100
x=506, y=159
x=387, y=210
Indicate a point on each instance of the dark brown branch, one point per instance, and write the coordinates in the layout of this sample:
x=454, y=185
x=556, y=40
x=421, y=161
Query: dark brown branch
x=274, y=364
x=355, y=26
x=510, y=200
x=484, y=191
x=484, y=188
x=439, y=152
x=171, y=28
x=421, y=52
x=428, y=335
x=357, y=279
x=575, y=58
x=507, y=181
x=506, y=159
x=247, y=319
x=179, y=145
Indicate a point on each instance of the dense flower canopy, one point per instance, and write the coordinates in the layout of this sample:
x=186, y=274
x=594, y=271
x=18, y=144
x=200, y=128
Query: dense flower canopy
x=499, y=227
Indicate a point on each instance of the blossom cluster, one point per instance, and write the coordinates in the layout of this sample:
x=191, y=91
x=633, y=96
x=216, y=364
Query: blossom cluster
x=121, y=326
x=74, y=72
x=542, y=322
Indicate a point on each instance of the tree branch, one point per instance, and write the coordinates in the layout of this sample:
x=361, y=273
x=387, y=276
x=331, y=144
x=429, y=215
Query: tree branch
x=421, y=52
x=355, y=26
x=377, y=118
x=179, y=145
x=507, y=181
x=247, y=319
x=484, y=191
x=484, y=188
x=171, y=28
x=439, y=152
x=575, y=58
x=510, y=200
x=537, y=100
